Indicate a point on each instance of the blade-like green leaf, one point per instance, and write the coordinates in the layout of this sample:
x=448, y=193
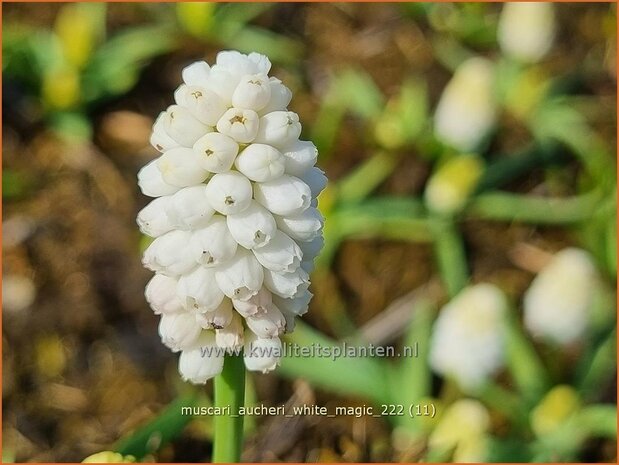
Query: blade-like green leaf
x=115, y=67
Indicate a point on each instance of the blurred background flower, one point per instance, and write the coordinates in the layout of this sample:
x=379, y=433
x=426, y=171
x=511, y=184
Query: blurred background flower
x=466, y=144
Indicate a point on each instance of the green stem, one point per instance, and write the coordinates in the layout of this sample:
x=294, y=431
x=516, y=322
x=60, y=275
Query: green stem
x=229, y=391
x=503, y=206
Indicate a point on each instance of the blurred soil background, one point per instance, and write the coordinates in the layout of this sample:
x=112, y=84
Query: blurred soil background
x=82, y=362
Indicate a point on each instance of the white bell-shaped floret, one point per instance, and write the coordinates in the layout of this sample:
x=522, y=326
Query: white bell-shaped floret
x=280, y=254
x=279, y=129
x=159, y=138
x=253, y=227
x=268, y=324
x=305, y=226
x=290, y=321
x=285, y=195
x=255, y=305
x=204, y=105
x=241, y=125
x=169, y=254
x=297, y=305
x=286, y=285
x=280, y=97
x=212, y=245
x=179, y=168
x=196, y=74
x=181, y=126
x=151, y=181
x=153, y=219
x=179, y=331
x=312, y=248
x=161, y=295
x=189, y=209
x=203, y=361
x=216, y=152
x=262, y=354
x=300, y=157
x=241, y=277
x=316, y=180
x=218, y=318
x=198, y=290
x=253, y=92
x=229, y=193
x=260, y=163
x=231, y=336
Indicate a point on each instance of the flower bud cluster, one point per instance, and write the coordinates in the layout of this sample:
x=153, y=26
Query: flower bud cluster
x=234, y=218
x=526, y=31
x=557, y=305
x=467, y=109
x=468, y=337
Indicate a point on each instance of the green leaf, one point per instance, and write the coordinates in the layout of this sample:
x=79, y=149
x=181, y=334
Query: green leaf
x=164, y=428
x=611, y=245
x=356, y=91
x=79, y=28
x=351, y=91
x=196, y=17
x=366, y=177
x=524, y=363
x=414, y=382
x=73, y=127
x=593, y=421
x=326, y=127
x=15, y=184
x=231, y=18
x=352, y=376
x=277, y=47
x=387, y=218
x=509, y=166
x=115, y=67
x=600, y=367
x=28, y=53
x=414, y=106
x=450, y=255
x=508, y=450
x=449, y=52
x=404, y=116
x=503, y=206
x=558, y=119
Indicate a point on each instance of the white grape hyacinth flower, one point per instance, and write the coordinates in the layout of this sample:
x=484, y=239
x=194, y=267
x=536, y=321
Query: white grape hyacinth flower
x=467, y=109
x=234, y=216
x=557, y=305
x=468, y=337
x=526, y=30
